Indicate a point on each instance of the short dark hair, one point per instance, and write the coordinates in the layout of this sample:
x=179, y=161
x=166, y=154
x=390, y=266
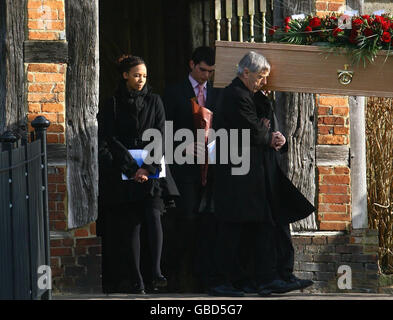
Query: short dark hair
x=203, y=54
x=128, y=61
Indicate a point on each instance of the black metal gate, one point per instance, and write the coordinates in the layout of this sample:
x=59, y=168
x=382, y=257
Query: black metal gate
x=24, y=222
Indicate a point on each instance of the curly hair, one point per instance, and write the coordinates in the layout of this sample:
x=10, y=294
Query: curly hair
x=128, y=61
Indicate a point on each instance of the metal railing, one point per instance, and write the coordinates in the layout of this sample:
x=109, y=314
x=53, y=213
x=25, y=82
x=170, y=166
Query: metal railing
x=24, y=219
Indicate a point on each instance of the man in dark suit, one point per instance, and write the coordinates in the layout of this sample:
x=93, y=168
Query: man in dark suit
x=193, y=220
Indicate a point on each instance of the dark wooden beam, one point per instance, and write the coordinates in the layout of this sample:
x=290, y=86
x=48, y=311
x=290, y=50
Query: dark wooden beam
x=46, y=51
x=13, y=108
x=82, y=108
x=330, y=155
x=57, y=154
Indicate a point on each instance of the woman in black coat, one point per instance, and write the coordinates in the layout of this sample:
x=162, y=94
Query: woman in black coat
x=125, y=204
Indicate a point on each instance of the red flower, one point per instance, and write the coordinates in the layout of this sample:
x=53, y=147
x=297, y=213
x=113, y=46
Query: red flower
x=315, y=22
x=386, y=37
x=368, y=32
x=273, y=30
x=379, y=19
x=357, y=23
x=386, y=25
x=333, y=18
x=287, y=20
x=287, y=28
x=308, y=29
x=336, y=31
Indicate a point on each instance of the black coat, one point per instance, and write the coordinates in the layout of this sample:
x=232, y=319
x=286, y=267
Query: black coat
x=178, y=108
x=261, y=195
x=286, y=201
x=122, y=119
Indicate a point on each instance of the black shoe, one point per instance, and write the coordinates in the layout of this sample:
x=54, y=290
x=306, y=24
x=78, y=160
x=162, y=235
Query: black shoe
x=225, y=291
x=279, y=286
x=264, y=292
x=301, y=283
x=160, y=282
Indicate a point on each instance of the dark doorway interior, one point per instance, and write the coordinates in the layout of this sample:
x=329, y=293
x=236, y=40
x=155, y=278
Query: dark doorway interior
x=160, y=32
x=156, y=30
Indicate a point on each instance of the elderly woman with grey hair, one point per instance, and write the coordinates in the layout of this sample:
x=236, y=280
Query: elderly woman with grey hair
x=242, y=202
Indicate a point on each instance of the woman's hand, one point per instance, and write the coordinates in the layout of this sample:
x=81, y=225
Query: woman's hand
x=141, y=175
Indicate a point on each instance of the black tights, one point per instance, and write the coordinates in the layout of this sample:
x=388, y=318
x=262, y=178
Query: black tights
x=154, y=233
x=121, y=245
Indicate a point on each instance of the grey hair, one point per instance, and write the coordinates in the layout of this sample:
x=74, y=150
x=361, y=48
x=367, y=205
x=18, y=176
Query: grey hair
x=254, y=62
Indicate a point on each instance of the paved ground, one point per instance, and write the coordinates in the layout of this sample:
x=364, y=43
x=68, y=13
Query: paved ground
x=288, y=296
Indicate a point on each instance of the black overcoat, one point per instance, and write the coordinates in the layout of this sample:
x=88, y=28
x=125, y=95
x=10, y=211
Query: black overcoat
x=287, y=203
x=241, y=198
x=122, y=119
x=261, y=195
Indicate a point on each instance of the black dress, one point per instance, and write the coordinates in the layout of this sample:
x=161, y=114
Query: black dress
x=125, y=204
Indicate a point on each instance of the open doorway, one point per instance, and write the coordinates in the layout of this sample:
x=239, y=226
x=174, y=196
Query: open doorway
x=156, y=30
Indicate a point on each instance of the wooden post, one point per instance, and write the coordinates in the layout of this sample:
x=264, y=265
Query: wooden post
x=297, y=114
x=13, y=107
x=358, y=151
x=358, y=162
x=82, y=108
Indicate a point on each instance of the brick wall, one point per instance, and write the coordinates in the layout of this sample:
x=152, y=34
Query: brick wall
x=334, y=199
x=318, y=257
x=46, y=19
x=75, y=254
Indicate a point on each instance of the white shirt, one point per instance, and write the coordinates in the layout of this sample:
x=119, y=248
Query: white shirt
x=195, y=86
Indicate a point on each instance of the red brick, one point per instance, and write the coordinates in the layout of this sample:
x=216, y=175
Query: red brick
x=333, y=226
x=52, y=138
x=61, y=225
x=69, y=242
x=335, y=198
x=81, y=233
x=93, y=230
x=42, y=67
x=332, y=101
x=341, y=111
x=336, y=179
x=56, y=243
x=336, y=217
x=327, y=207
x=321, y=6
x=325, y=170
x=331, y=140
x=324, y=111
x=333, y=189
x=333, y=120
x=43, y=35
x=87, y=241
x=341, y=130
x=341, y=170
x=61, y=252
x=325, y=129
x=334, y=6
x=52, y=107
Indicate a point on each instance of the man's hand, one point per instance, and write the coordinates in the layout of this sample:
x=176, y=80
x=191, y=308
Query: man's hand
x=266, y=122
x=278, y=140
x=141, y=175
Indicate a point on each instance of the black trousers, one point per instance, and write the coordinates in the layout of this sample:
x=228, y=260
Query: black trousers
x=282, y=259
x=192, y=245
x=121, y=245
x=232, y=243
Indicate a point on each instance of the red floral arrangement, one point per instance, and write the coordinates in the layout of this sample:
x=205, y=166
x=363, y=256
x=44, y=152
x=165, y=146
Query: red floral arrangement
x=362, y=36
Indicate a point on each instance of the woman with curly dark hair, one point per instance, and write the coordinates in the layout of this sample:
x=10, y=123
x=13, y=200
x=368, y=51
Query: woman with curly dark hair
x=125, y=204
